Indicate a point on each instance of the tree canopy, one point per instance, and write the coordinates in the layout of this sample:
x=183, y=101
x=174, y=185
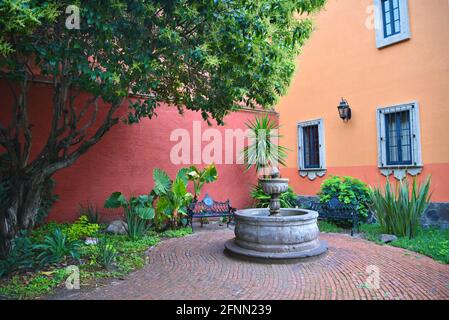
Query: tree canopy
x=211, y=56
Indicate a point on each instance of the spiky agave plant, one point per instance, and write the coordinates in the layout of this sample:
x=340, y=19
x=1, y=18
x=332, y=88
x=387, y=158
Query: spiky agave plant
x=263, y=152
x=398, y=209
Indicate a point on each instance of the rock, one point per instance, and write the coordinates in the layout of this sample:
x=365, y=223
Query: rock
x=387, y=238
x=90, y=241
x=117, y=227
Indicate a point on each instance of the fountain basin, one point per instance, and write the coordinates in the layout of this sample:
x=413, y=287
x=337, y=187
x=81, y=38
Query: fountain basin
x=274, y=185
x=291, y=234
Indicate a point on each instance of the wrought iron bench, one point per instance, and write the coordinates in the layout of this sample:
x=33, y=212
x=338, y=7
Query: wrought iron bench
x=336, y=210
x=208, y=208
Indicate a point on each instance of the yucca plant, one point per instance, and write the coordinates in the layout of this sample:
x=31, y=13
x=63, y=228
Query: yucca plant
x=262, y=152
x=398, y=209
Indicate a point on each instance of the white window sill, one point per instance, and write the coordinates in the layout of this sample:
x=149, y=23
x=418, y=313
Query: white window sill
x=400, y=172
x=312, y=174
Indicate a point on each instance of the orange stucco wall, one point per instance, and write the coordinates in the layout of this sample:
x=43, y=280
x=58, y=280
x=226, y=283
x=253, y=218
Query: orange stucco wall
x=341, y=60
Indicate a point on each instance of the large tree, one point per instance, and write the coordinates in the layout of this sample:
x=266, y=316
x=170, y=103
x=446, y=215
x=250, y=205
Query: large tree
x=212, y=56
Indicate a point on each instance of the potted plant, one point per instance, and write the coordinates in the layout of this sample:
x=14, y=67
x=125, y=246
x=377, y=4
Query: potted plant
x=265, y=155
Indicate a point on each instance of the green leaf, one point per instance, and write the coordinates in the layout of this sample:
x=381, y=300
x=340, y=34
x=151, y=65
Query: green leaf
x=145, y=213
x=179, y=187
x=116, y=200
x=162, y=182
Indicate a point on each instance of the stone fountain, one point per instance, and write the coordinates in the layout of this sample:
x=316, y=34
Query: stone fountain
x=276, y=233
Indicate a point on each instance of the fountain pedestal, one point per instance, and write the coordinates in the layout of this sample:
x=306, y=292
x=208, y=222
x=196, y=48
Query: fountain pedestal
x=276, y=233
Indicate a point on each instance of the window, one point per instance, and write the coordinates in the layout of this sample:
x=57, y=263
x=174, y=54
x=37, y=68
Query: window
x=392, y=22
x=311, y=157
x=311, y=149
x=391, y=17
x=399, y=140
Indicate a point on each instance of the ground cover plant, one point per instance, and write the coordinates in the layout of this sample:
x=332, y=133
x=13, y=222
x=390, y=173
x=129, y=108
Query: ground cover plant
x=27, y=275
x=431, y=242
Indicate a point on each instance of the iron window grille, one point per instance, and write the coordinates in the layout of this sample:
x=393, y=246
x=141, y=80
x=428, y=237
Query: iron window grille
x=311, y=149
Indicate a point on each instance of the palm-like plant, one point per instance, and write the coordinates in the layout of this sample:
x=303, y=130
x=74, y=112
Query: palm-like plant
x=173, y=197
x=263, y=152
x=398, y=209
x=200, y=177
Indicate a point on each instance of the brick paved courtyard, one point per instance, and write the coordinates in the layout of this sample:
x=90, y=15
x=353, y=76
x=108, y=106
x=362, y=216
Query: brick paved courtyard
x=195, y=267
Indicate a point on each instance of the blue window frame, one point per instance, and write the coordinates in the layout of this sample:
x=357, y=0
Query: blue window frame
x=311, y=147
x=391, y=17
x=398, y=138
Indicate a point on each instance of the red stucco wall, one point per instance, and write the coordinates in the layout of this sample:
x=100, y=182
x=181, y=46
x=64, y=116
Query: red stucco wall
x=126, y=156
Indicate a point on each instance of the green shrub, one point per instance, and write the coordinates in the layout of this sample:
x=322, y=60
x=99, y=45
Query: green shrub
x=21, y=257
x=138, y=212
x=399, y=209
x=81, y=229
x=347, y=190
x=56, y=247
x=262, y=200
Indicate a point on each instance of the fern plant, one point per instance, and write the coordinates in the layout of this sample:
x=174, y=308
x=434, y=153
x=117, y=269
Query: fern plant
x=398, y=209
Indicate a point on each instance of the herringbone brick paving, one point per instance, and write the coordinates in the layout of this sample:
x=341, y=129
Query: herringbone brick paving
x=195, y=267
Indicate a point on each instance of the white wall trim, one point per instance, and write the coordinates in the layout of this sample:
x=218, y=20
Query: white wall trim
x=381, y=40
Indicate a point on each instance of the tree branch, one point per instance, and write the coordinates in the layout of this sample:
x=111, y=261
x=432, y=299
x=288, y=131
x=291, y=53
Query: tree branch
x=69, y=159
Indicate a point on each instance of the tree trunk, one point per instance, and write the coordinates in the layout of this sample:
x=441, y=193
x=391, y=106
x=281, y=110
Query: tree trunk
x=21, y=212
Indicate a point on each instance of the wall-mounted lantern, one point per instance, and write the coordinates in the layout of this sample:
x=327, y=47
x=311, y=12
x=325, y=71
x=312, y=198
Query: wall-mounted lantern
x=344, y=110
